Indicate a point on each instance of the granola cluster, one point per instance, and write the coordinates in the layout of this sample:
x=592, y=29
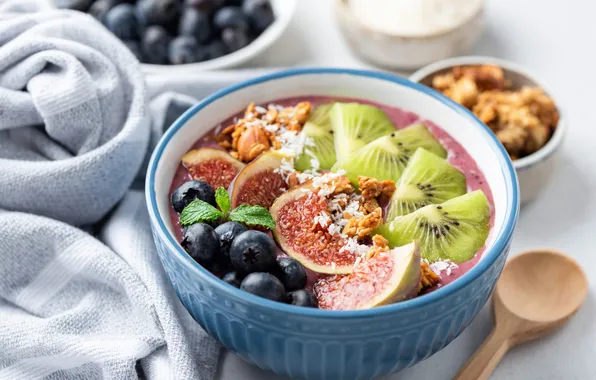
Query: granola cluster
x=522, y=119
x=260, y=128
x=428, y=278
x=372, y=215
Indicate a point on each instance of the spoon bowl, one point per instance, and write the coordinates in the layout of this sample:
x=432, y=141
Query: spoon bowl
x=539, y=290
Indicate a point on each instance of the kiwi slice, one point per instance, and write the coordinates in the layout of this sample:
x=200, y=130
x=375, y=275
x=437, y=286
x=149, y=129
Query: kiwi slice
x=318, y=128
x=355, y=125
x=427, y=179
x=453, y=230
x=387, y=156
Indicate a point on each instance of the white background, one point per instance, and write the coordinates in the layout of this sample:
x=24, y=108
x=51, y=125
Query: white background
x=556, y=40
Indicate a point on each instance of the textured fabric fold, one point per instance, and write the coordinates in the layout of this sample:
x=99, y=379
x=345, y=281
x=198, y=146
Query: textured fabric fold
x=82, y=292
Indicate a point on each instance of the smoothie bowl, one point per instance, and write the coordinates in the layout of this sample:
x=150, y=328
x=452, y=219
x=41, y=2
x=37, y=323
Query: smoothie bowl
x=331, y=223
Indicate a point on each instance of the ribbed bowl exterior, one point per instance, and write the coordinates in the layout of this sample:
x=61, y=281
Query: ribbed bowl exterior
x=311, y=347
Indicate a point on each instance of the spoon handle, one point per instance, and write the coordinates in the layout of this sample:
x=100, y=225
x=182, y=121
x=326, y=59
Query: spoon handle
x=486, y=358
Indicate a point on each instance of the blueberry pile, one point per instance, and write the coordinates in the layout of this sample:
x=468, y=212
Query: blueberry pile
x=242, y=257
x=164, y=32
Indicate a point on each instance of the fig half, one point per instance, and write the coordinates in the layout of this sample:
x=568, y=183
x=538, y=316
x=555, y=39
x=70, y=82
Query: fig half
x=258, y=183
x=385, y=278
x=295, y=232
x=214, y=166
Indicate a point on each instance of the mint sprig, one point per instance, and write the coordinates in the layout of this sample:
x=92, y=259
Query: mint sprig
x=253, y=216
x=222, y=198
x=199, y=211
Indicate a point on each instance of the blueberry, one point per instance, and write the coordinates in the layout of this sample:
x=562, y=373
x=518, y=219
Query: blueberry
x=158, y=12
x=121, y=21
x=77, y=5
x=154, y=45
x=234, y=39
x=183, y=49
x=252, y=251
x=291, y=273
x=215, y=50
x=232, y=278
x=191, y=190
x=234, y=3
x=231, y=17
x=195, y=23
x=205, y=5
x=226, y=233
x=264, y=285
x=99, y=8
x=200, y=241
x=302, y=298
x=135, y=48
x=259, y=13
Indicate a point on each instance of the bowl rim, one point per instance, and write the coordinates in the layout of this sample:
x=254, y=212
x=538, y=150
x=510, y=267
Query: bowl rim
x=555, y=140
x=498, y=248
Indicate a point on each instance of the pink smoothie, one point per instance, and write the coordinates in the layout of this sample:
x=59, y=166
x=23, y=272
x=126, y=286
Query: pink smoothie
x=457, y=156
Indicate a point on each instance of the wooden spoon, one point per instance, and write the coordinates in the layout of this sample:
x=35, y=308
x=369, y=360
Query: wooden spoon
x=538, y=292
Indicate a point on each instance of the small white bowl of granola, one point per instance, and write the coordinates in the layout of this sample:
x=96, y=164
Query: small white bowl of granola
x=520, y=109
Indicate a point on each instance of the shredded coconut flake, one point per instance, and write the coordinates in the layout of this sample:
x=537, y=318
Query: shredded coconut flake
x=260, y=109
x=323, y=219
x=443, y=266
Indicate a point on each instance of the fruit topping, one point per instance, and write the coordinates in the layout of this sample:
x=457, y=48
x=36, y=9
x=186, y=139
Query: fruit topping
x=78, y=5
x=318, y=129
x=213, y=166
x=252, y=251
x=121, y=21
x=427, y=179
x=311, y=222
x=386, y=157
x=259, y=183
x=183, y=49
x=355, y=125
x=291, y=273
x=388, y=276
x=303, y=298
x=234, y=39
x=233, y=278
x=226, y=233
x=189, y=191
x=201, y=243
x=264, y=285
x=99, y=8
x=454, y=230
x=195, y=23
x=154, y=44
x=157, y=12
x=259, y=12
x=230, y=17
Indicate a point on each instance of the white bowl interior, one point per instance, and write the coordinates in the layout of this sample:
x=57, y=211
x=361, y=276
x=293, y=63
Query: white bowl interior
x=477, y=141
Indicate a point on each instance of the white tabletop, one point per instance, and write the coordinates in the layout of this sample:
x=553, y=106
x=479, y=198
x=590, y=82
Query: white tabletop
x=557, y=41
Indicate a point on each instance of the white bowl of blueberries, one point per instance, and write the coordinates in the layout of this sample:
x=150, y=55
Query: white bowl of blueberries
x=170, y=36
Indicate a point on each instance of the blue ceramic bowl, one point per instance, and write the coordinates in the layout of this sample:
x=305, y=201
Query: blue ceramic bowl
x=321, y=344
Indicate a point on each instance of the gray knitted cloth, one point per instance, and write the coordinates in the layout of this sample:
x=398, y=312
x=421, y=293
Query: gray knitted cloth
x=82, y=292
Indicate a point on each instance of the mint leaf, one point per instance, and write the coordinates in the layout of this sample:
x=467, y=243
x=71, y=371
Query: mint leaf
x=199, y=211
x=252, y=215
x=223, y=199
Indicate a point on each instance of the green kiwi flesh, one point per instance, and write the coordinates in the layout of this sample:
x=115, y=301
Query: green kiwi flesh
x=454, y=230
x=427, y=179
x=386, y=157
x=355, y=125
x=318, y=128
